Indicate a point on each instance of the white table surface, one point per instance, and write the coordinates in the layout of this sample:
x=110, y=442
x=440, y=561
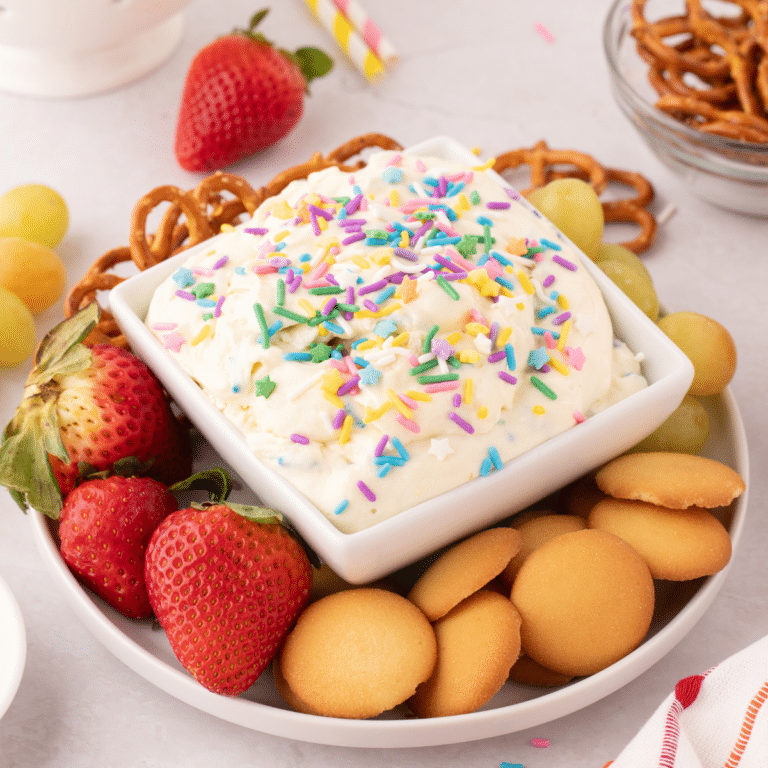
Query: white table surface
x=481, y=73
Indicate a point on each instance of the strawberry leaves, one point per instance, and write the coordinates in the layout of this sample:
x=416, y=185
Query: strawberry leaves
x=33, y=431
x=256, y=19
x=61, y=351
x=312, y=62
x=85, y=408
x=24, y=466
x=218, y=485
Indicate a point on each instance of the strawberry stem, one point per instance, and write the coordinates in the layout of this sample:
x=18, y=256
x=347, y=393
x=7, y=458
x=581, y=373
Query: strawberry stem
x=216, y=482
x=257, y=18
x=312, y=62
x=266, y=515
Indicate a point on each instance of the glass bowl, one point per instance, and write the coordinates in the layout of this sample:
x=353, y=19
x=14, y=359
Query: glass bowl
x=729, y=173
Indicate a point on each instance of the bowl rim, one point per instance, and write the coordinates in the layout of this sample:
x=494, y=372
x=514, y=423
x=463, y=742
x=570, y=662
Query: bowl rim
x=612, y=35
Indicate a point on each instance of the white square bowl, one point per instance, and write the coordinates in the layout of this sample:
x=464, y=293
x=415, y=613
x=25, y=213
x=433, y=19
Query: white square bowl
x=416, y=532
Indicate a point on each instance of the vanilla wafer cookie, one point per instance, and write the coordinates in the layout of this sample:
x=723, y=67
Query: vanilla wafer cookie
x=677, y=544
x=463, y=569
x=673, y=480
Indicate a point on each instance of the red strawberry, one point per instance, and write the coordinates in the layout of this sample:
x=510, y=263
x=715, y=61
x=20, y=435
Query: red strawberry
x=241, y=95
x=105, y=527
x=87, y=408
x=226, y=589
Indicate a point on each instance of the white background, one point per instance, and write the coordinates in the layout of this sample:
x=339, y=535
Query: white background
x=481, y=73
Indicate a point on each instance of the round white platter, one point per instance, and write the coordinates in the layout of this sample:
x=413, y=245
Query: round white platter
x=146, y=650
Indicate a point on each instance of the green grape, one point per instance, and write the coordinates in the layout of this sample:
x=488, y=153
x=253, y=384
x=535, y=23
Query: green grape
x=635, y=283
x=617, y=252
x=685, y=431
x=34, y=212
x=32, y=271
x=575, y=209
x=17, y=330
x=709, y=346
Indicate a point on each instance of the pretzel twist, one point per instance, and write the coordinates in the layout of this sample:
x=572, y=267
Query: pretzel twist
x=651, y=37
x=357, y=146
x=548, y=164
x=714, y=79
x=148, y=251
x=703, y=115
x=624, y=211
x=541, y=160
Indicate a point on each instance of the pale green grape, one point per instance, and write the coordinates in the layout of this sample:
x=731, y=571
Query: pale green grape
x=574, y=208
x=32, y=271
x=635, y=283
x=17, y=330
x=709, y=346
x=685, y=431
x=618, y=252
x=34, y=212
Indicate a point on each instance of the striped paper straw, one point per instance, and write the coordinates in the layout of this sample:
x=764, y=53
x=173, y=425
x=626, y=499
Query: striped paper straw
x=370, y=31
x=350, y=41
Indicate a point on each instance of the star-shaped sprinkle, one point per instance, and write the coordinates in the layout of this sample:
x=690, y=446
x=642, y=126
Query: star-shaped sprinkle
x=345, y=278
x=538, y=358
x=331, y=381
x=385, y=328
x=282, y=210
x=392, y=175
x=576, y=357
x=585, y=324
x=442, y=349
x=369, y=375
x=507, y=305
x=482, y=344
x=183, y=277
x=481, y=280
x=264, y=387
x=173, y=341
x=408, y=290
x=468, y=245
x=320, y=352
x=440, y=448
x=517, y=246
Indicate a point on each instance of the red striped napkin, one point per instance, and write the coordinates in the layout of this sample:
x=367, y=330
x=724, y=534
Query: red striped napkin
x=718, y=719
